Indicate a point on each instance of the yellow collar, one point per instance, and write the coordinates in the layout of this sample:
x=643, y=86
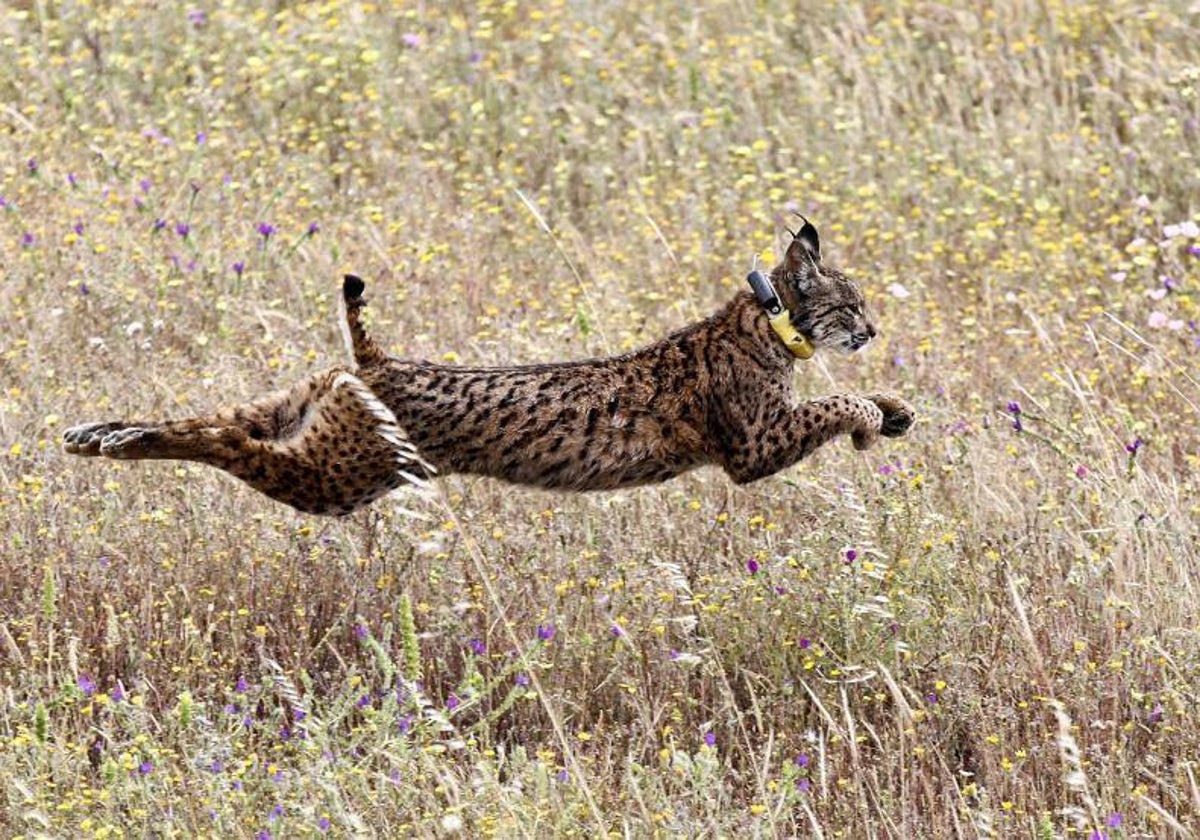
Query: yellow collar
x=791, y=337
x=777, y=315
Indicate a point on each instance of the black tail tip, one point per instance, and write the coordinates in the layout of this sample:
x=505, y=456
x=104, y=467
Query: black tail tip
x=352, y=287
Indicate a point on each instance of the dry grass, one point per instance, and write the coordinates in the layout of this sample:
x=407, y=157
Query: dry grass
x=1011, y=649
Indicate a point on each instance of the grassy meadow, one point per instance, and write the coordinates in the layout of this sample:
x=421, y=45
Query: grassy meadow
x=989, y=628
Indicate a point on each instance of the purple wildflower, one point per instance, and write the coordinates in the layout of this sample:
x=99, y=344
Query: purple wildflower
x=238, y=267
x=323, y=824
x=1115, y=819
x=802, y=760
x=299, y=715
x=360, y=632
x=313, y=228
x=1014, y=408
x=71, y=180
x=616, y=630
x=183, y=229
x=265, y=230
x=3, y=202
x=32, y=166
x=710, y=739
x=197, y=17
x=363, y=702
x=118, y=692
x=1081, y=471
x=475, y=57
x=216, y=766
x=27, y=240
x=805, y=643
x=452, y=702
x=804, y=785
x=752, y=566
x=263, y=835
x=159, y=224
x=1134, y=445
x=86, y=684
x=1194, y=250
x=404, y=724
x=522, y=679
x=851, y=555
x=477, y=647
x=77, y=228
x=411, y=40
x=146, y=767
x=240, y=686
x=545, y=632
x=144, y=185
x=201, y=139
x=276, y=812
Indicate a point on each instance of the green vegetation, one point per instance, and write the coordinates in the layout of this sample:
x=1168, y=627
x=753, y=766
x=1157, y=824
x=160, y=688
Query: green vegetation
x=988, y=628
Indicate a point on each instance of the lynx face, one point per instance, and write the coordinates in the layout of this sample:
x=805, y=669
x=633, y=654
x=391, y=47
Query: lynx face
x=826, y=305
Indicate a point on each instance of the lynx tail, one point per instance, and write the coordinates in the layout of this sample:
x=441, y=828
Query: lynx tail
x=364, y=349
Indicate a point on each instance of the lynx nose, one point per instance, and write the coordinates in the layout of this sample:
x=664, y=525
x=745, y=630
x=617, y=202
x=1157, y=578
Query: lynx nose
x=862, y=337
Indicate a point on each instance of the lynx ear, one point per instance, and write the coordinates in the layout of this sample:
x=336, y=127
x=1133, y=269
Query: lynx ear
x=805, y=247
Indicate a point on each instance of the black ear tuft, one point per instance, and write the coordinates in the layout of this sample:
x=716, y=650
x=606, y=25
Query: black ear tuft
x=352, y=287
x=809, y=239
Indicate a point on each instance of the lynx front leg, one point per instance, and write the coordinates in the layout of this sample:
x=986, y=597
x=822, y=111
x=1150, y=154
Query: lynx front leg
x=801, y=430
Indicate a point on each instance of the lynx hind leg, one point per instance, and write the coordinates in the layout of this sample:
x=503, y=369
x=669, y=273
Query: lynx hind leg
x=348, y=452
x=326, y=445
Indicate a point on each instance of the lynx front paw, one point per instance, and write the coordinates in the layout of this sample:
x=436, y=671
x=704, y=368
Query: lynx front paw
x=85, y=439
x=897, y=414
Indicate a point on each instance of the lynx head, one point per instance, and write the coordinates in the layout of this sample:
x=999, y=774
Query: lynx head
x=827, y=307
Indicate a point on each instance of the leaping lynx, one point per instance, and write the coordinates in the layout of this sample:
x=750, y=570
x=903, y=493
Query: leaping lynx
x=716, y=392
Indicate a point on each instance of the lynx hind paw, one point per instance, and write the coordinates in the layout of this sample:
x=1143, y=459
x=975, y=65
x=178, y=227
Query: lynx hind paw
x=127, y=443
x=898, y=415
x=85, y=439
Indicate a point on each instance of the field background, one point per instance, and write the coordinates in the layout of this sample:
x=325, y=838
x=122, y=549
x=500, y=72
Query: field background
x=988, y=628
